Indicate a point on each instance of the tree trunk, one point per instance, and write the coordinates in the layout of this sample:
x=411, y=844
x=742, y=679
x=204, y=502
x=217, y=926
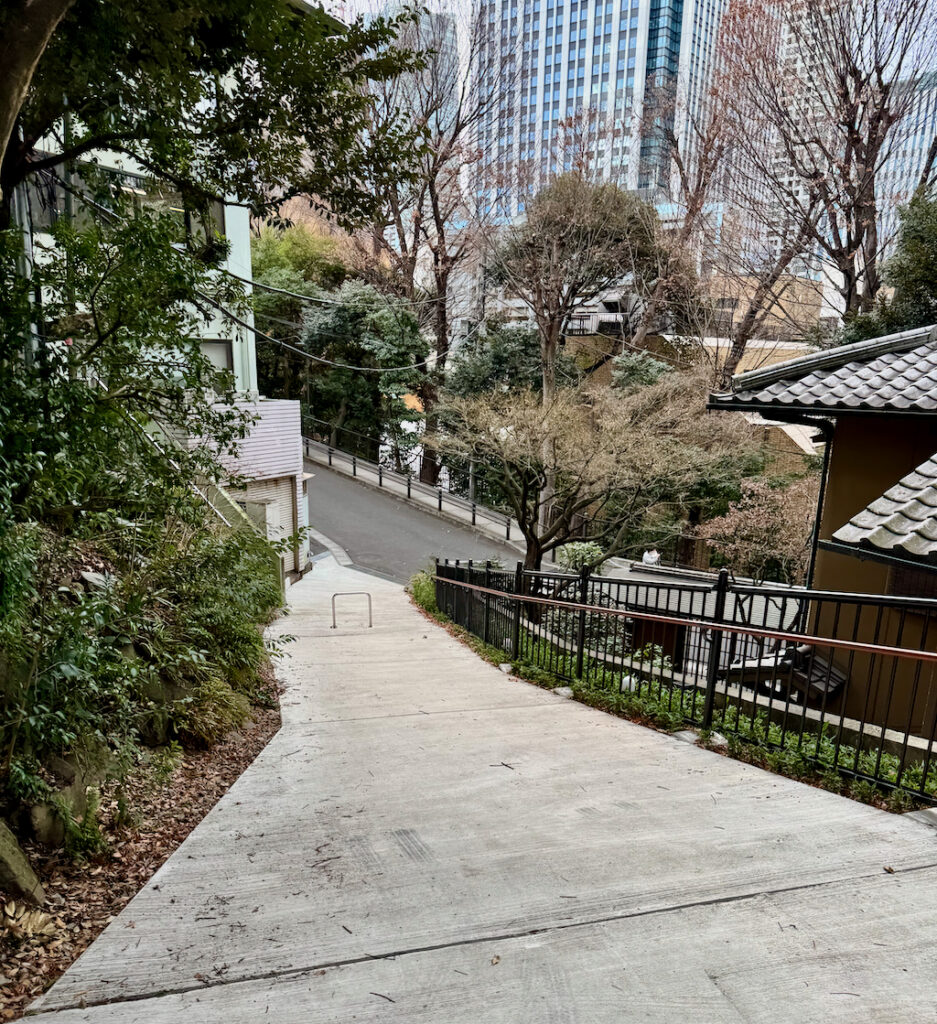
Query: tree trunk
x=429, y=464
x=337, y=424
x=533, y=556
x=549, y=343
x=757, y=303
x=647, y=317
x=25, y=31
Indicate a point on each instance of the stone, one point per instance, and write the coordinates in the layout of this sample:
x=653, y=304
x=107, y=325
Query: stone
x=46, y=819
x=505, y=667
x=717, y=741
x=686, y=736
x=16, y=875
x=563, y=691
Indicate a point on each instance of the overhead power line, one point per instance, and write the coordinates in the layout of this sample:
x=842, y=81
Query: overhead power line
x=258, y=333
x=301, y=352
x=314, y=298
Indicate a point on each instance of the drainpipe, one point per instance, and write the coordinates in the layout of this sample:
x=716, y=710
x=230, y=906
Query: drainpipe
x=826, y=429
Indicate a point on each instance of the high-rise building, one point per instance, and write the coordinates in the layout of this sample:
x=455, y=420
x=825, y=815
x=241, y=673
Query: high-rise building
x=582, y=81
x=909, y=155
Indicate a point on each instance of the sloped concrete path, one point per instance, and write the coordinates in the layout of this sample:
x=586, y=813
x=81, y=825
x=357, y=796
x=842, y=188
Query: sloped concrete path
x=427, y=841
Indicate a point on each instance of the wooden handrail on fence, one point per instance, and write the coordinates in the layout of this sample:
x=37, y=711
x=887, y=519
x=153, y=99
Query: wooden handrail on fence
x=724, y=627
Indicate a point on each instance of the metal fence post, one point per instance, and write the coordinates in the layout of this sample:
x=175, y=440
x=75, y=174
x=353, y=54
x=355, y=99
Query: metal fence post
x=473, y=513
x=487, y=601
x=380, y=476
x=581, y=632
x=715, y=649
x=354, y=465
x=439, y=493
x=470, y=597
x=507, y=528
x=438, y=588
x=330, y=456
x=409, y=478
x=518, y=590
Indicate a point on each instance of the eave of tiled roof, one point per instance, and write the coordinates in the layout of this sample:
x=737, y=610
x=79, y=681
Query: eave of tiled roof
x=894, y=373
x=902, y=522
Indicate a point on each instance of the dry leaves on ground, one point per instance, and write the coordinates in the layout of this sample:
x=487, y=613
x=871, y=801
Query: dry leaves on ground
x=82, y=899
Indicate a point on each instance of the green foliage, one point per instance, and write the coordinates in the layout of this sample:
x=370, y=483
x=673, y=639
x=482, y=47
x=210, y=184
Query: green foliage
x=213, y=710
x=353, y=324
x=117, y=351
x=163, y=763
x=143, y=78
x=633, y=370
x=83, y=839
x=911, y=274
x=575, y=556
x=312, y=257
x=120, y=595
x=505, y=358
x=363, y=329
x=423, y=591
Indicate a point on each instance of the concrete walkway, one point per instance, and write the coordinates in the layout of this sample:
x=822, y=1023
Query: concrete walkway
x=428, y=841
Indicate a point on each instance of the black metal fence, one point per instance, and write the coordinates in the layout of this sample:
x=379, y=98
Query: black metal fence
x=408, y=484
x=845, y=683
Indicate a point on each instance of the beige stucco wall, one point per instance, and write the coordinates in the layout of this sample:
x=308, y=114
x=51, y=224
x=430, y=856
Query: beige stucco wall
x=869, y=454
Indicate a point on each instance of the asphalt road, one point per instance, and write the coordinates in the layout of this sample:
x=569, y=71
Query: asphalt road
x=384, y=534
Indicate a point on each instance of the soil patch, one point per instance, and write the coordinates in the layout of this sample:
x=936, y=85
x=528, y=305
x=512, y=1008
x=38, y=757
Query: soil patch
x=82, y=899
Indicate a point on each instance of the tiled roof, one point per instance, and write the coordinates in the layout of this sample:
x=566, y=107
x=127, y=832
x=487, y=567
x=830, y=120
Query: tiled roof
x=903, y=521
x=897, y=372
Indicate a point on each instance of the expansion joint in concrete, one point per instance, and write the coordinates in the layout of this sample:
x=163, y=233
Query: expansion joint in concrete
x=292, y=972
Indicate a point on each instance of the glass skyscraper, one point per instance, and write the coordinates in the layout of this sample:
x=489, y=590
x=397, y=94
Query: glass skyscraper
x=582, y=80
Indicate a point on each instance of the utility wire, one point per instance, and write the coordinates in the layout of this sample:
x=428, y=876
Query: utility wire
x=419, y=304
x=301, y=352
x=260, y=334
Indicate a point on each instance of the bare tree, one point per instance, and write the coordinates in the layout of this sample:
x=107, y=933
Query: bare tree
x=768, y=530
x=833, y=84
x=696, y=140
x=429, y=222
x=578, y=239
x=613, y=458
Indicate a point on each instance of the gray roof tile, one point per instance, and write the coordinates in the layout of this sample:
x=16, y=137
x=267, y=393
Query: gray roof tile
x=903, y=521
x=893, y=373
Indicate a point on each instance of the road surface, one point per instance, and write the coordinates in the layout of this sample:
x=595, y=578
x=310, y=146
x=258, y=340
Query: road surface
x=386, y=535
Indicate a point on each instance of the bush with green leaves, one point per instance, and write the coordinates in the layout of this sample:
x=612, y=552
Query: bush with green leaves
x=579, y=554
x=423, y=590
x=633, y=370
x=127, y=610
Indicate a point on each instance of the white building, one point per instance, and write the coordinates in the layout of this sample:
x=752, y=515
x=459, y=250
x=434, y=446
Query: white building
x=270, y=458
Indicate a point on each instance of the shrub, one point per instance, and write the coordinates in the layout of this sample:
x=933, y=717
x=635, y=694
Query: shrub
x=574, y=556
x=423, y=590
x=210, y=713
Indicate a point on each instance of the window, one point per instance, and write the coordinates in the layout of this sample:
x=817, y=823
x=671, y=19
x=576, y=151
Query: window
x=219, y=352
